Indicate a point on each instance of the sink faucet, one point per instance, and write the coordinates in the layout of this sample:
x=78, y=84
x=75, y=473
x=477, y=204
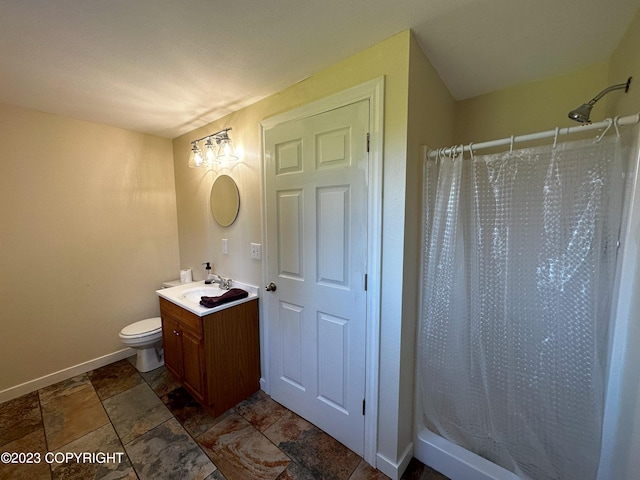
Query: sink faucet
x=225, y=283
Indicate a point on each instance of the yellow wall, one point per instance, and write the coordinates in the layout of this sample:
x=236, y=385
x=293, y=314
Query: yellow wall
x=529, y=108
x=88, y=233
x=625, y=63
x=430, y=122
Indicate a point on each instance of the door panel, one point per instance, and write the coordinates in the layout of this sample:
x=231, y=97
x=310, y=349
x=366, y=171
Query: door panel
x=316, y=199
x=291, y=319
x=193, y=358
x=290, y=236
x=333, y=235
x=332, y=353
x=172, y=346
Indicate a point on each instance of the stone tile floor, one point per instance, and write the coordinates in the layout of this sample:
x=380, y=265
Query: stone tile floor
x=155, y=430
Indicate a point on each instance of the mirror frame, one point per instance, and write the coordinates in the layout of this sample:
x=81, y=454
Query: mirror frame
x=224, y=200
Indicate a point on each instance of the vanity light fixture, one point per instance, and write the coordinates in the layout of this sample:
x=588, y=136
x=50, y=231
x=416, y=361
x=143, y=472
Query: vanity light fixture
x=222, y=150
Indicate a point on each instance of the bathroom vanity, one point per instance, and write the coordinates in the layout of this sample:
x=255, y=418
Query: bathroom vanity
x=213, y=353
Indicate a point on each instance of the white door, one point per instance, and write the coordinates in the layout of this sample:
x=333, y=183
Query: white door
x=316, y=172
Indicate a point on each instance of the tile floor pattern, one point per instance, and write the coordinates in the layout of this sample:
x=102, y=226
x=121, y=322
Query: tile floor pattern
x=162, y=433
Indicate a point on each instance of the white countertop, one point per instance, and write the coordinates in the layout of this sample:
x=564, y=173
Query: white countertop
x=188, y=296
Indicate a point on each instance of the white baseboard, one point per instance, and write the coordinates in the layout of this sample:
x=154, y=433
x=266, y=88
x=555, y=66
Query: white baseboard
x=45, y=381
x=454, y=461
x=395, y=470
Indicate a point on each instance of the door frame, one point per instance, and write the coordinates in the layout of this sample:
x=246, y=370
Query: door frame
x=373, y=91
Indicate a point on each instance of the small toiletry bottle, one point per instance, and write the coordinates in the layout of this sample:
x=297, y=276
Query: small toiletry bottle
x=208, y=269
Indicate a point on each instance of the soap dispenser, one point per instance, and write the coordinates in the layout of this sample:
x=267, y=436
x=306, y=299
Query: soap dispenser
x=208, y=269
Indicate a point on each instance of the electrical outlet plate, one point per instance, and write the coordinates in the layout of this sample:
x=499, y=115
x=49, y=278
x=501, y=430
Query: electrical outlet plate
x=256, y=251
x=225, y=246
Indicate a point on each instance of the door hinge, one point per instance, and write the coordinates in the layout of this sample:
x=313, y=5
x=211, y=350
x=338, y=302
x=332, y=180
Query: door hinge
x=368, y=138
x=366, y=279
x=364, y=403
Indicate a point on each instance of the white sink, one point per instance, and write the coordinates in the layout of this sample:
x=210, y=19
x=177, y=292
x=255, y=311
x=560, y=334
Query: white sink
x=188, y=296
x=195, y=294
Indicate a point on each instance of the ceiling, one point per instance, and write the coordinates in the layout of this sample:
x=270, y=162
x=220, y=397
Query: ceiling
x=166, y=67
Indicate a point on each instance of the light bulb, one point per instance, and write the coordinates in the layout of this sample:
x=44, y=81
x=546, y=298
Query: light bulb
x=226, y=151
x=209, y=154
x=195, y=156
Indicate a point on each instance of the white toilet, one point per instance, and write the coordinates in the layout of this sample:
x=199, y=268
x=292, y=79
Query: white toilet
x=146, y=337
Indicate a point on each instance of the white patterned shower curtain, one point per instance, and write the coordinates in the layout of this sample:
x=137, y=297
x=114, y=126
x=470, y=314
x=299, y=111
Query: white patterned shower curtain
x=518, y=274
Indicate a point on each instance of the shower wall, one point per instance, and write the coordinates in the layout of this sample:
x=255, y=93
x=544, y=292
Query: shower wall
x=625, y=63
x=534, y=107
x=544, y=105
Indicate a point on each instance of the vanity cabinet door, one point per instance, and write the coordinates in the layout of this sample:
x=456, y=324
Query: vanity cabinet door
x=193, y=365
x=172, y=343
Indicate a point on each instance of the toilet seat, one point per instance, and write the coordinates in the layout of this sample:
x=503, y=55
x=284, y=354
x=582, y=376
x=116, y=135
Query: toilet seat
x=145, y=336
x=142, y=328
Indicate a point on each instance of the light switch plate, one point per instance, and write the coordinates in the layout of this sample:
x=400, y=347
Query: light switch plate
x=225, y=246
x=256, y=251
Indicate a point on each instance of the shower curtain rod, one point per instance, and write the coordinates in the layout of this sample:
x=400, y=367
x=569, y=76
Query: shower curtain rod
x=618, y=122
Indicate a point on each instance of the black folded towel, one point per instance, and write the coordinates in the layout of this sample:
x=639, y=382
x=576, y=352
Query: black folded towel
x=230, y=296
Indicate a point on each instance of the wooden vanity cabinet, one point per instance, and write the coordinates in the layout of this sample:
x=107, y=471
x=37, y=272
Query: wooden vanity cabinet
x=216, y=357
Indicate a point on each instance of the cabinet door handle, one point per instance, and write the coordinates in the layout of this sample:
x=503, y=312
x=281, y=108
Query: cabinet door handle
x=176, y=332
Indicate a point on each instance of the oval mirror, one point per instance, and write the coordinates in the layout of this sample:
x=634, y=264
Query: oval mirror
x=225, y=200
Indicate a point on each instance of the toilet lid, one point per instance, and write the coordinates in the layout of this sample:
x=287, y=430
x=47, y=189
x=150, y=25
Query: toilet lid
x=147, y=326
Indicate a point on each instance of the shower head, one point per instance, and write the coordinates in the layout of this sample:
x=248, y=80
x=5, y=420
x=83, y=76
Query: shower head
x=581, y=114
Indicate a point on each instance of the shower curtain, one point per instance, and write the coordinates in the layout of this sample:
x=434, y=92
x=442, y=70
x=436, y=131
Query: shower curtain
x=518, y=273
